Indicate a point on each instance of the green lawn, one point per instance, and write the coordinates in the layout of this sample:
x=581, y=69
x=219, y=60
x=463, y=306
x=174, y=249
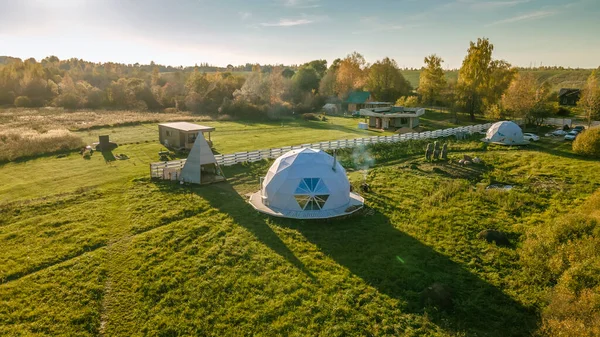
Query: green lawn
x=127, y=256
x=97, y=248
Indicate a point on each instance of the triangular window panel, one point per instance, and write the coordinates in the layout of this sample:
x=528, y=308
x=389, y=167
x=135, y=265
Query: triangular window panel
x=321, y=188
x=302, y=200
x=321, y=200
x=302, y=188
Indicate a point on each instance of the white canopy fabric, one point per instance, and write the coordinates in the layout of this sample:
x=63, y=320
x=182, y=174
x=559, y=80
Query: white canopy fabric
x=306, y=179
x=201, y=154
x=505, y=133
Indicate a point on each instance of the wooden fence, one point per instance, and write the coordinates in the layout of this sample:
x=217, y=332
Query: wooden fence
x=157, y=169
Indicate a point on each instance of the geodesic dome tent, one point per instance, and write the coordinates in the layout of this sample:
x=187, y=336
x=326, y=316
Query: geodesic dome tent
x=306, y=184
x=505, y=133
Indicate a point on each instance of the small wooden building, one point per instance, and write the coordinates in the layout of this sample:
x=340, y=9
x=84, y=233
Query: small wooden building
x=182, y=135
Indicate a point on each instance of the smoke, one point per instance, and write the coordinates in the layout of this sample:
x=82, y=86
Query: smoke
x=362, y=160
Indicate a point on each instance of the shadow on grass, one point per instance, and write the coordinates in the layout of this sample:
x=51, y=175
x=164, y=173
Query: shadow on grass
x=223, y=197
x=108, y=156
x=401, y=267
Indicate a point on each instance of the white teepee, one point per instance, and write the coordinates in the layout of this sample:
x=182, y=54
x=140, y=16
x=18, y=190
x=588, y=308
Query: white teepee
x=200, y=155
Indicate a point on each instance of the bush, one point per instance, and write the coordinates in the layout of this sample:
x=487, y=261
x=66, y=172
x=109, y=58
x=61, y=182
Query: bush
x=310, y=117
x=588, y=143
x=561, y=111
x=171, y=110
x=562, y=258
x=22, y=102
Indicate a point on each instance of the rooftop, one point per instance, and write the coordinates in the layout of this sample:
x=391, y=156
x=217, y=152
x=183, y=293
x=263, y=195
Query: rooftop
x=185, y=126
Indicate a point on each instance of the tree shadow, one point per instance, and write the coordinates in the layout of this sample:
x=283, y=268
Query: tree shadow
x=401, y=267
x=393, y=262
x=223, y=197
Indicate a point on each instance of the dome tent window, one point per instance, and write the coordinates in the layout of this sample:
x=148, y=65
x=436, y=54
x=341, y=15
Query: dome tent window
x=311, y=194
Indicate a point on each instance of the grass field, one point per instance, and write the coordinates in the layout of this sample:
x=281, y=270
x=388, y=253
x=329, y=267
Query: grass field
x=95, y=248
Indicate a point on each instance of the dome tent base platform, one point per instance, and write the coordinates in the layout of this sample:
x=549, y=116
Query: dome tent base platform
x=356, y=203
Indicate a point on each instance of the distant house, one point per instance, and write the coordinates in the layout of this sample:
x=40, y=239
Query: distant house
x=182, y=135
x=362, y=99
x=568, y=96
x=392, y=117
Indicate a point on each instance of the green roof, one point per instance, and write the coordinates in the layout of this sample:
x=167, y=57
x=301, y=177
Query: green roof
x=358, y=97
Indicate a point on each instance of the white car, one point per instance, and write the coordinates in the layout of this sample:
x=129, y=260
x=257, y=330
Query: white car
x=531, y=137
x=559, y=132
x=571, y=135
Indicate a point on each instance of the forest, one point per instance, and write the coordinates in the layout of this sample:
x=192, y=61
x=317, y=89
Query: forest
x=484, y=85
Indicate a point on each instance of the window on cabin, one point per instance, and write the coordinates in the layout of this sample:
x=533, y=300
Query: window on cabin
x=168, y=133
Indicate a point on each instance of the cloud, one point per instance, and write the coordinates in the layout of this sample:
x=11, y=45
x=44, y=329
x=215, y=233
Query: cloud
x=287, y=23
x=245, y=15
x=524, y=17
x=491, y=5
x=301, y=3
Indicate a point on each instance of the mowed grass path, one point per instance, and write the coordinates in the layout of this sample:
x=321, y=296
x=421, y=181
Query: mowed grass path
x=136, y=257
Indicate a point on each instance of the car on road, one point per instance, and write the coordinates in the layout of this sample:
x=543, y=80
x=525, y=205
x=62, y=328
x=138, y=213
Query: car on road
x=571, y=135
x=531, y=137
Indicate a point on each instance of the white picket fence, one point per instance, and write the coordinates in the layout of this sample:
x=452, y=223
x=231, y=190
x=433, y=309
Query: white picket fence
x=156, y=169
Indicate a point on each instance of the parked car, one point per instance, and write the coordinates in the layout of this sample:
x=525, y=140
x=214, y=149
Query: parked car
x=571, y=135
x=557, y=132
x=579, y=128
x=531, y=137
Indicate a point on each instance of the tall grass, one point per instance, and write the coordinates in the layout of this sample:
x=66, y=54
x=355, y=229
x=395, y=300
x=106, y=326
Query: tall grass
x=45, y=119
x=25, y=142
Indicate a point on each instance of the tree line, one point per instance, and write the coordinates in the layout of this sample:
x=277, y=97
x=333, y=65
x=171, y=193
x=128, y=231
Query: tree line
x=484, y=86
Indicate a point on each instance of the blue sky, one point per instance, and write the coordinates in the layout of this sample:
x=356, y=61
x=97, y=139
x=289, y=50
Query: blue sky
x=185, y=32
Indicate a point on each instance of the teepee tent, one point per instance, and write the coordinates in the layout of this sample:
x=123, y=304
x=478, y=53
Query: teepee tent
x=201, y=165
x=505, y=133
x=306, y=183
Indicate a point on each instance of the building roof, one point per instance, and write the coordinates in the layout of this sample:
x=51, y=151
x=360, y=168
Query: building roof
x=393, y=112
x=358, y=97
x=568, y=92
x=185, y=126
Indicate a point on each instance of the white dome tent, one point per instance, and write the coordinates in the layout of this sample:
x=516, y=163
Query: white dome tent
x=306, y=184
x=505, y=133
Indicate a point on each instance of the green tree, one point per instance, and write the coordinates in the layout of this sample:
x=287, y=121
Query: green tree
x=431, y=80
x=481, y=79
x=306, y=79
x=287, y=73
x=385, y=81
x=590, y=98
x=320, y=66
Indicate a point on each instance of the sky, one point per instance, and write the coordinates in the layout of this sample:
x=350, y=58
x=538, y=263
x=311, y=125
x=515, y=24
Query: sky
x=186, y=32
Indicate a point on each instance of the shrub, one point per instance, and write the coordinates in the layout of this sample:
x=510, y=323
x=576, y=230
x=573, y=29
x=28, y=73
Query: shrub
x=588, y=143
x=310, y=117
x=562, y=257
x=22, y=102
x=18, y=143
x=171, y=110
x=224, y=118
x=562, y=111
